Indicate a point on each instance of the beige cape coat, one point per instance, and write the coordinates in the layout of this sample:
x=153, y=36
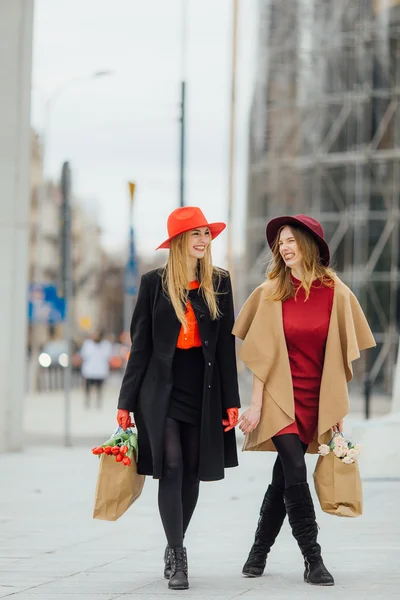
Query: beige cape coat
x=260, y=326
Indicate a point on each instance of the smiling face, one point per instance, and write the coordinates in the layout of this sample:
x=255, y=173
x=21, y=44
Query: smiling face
x=289, y=249
x=198, y=241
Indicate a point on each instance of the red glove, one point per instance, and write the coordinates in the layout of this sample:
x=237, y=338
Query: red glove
x=124, y=419
x=232, y=420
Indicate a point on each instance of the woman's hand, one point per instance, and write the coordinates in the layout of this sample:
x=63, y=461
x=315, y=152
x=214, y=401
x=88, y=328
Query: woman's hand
x=124, y=419
x=250, y=419
x=232, y=420
x=338, y=428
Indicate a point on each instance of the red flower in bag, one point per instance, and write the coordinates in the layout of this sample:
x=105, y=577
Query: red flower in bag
x=122, y=445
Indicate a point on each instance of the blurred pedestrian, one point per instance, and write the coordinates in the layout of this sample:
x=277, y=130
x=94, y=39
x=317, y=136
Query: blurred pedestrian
x=181, y=378
x=95, y=354
x=302, y=329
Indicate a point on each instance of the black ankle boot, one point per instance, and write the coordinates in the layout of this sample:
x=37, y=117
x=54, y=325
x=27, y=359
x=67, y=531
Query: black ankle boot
x=179, y=569
x=167, y=563
x=272, y=515
x=300, y=510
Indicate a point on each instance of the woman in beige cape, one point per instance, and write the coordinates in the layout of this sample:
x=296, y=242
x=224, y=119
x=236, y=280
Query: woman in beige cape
x=301, y=330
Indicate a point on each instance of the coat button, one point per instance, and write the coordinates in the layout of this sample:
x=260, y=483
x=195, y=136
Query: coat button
x=201, y=316
x=209, y=387
x=206, y=344
x=209, y=364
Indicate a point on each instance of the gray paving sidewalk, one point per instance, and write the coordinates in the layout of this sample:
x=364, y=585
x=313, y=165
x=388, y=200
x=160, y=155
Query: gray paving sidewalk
x=52, y=549
x=44, y=417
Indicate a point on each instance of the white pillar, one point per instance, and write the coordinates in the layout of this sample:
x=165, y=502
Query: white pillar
x=16, y=30
x=396, y=385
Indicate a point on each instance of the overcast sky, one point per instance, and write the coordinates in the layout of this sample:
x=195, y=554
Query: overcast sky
x=125, y=126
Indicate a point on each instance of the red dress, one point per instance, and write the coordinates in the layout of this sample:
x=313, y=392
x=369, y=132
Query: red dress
x=306, y=327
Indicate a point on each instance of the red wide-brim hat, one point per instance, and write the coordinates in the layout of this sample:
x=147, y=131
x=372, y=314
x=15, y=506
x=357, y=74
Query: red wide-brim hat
x=188, y=218
x=304, y=222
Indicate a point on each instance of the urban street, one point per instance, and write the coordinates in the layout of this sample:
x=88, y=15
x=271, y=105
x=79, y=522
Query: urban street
x=52, y=549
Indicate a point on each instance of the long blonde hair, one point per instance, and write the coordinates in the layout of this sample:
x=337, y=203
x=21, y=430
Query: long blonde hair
x=312, y=267
x=175, y=278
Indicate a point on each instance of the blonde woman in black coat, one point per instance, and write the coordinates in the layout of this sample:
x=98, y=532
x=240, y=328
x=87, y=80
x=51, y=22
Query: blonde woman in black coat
x=181, y=378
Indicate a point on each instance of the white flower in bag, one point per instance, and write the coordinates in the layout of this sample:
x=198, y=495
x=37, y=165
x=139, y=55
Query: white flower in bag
x=347, y=460
x=353, y=453
x=323, y=450
x=337, y=451
x=339, y=441
x=340, y=451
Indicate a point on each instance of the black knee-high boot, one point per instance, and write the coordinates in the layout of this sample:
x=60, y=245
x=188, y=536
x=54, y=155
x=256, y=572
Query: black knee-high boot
x=301, y=515
x=272, y=515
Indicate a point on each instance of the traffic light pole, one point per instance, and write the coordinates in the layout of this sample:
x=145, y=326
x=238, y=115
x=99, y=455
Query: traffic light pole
x=232, y=134
x=182, y=146
x=67, y=292
x=182, y=120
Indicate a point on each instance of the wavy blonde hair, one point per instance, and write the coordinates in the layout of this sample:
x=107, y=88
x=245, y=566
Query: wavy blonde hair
x=312, y=267
x=175, y=278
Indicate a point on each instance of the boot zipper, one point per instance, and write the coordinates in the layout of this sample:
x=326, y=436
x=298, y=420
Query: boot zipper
x=308, y=569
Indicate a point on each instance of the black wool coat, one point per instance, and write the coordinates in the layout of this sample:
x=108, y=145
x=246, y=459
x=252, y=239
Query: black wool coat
x=147, y=383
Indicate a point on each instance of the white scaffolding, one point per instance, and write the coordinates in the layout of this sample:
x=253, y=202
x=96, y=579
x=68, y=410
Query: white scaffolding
x=325, y=140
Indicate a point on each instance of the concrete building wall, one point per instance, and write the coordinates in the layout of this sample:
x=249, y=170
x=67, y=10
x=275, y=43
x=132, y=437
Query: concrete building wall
x=16, y=27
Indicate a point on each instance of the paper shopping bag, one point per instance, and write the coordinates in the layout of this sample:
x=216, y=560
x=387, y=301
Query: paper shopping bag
x=118, y=486
x=338, y=486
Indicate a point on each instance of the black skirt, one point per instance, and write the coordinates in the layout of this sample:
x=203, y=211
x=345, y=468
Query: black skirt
x=187, y=392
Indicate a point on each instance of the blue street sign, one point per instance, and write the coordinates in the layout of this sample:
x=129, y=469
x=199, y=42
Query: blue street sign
x=44, y=305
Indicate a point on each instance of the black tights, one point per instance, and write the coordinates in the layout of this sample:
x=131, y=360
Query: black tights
x=290, y=466
x=178, y=489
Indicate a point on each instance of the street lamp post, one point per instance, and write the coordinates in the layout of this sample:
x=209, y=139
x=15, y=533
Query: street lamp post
x=182, y=119
x=232, y=133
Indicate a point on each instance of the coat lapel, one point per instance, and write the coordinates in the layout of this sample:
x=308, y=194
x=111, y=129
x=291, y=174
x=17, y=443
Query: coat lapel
x=202, y=314
x=348, y=334
x=264, y=351
x=333, y=399
x=166, y=325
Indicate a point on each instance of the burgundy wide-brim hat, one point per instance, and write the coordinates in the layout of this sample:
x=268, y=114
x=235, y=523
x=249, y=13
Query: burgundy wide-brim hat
x=188, y=218
x=304, y=222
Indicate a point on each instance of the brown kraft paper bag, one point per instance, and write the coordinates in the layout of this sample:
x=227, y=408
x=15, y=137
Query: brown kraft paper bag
x=117, y=488
x=338, y=486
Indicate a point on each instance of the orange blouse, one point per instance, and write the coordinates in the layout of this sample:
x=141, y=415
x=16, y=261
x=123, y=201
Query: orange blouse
x=190, y=338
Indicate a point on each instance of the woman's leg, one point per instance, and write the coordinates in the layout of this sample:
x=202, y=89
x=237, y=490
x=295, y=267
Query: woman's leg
x=99, y=385
x=170, y=505
x=170, y=485
x=190, y=445
x=278, y=476
x=290, y=461
x=272, y=515
x=190, y=441
x=300, y=508
x=87, y=392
